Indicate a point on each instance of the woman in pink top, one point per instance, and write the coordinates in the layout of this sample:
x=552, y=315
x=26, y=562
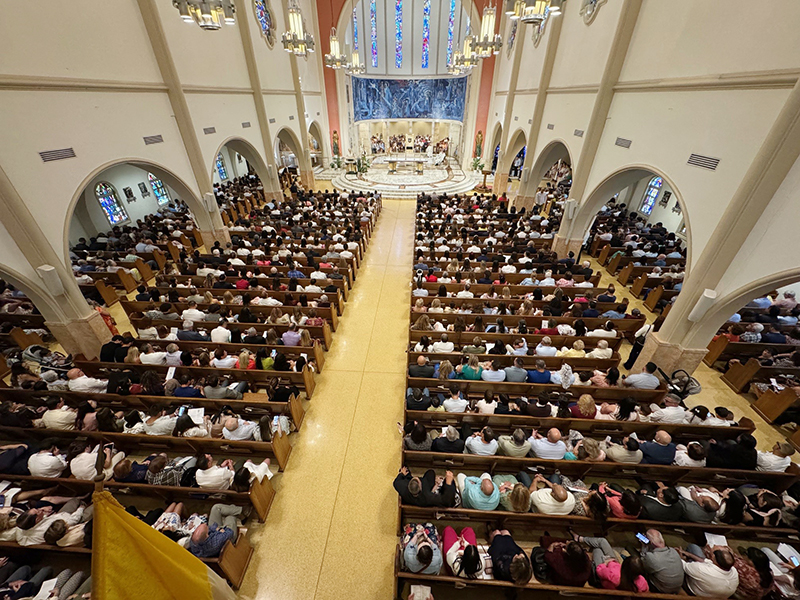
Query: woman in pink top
x=623, y=505
x=612, y=574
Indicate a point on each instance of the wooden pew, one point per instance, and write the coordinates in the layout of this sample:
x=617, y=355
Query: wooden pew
x=280, y=448
x=482, y=288
x=739, y=375
x=507, y=360
x=531, y=390
x=117, y=279
x=723, y=349
x=256, y=379
x=623, y=326
x=465, y=338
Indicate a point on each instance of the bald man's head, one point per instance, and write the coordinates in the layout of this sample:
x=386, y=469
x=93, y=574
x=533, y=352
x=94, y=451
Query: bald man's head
x=662, y=437
x=421, y=360
x=487, y=487
x=559, y=493
x=554, y=435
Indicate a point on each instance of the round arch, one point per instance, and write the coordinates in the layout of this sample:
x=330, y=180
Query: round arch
x=553, y=152
x=316, y=144
x=723, y=308
x=288, y=137
x=199, y=211
x=494, y=149
x=608, y=187
x=518, y=141
x=250, y=154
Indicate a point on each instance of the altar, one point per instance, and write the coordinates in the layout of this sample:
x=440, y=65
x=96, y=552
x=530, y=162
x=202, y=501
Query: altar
x=416, y=165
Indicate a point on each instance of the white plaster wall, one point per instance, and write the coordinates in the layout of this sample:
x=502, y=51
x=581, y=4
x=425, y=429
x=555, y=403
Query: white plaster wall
x=532, y=59
x=80, y=39
x=204, y=58
x=101, y=127
x=280, y=107
x=685, y=38
x=567, y=112
x=504, y=62
x=666, y=127
x=770, y=248
x=582, y=49
x=90, y=217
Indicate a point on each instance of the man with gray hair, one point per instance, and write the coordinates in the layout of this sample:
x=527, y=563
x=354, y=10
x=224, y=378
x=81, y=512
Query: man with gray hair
x=672, y=412
x=662, y=564
x=450, y=442
x=188, y=333
x=514, y=445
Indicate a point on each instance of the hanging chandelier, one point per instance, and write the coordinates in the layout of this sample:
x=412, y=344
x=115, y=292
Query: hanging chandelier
x=336, y=59
x=208, y=14
x=355, y=66
x=296, y=40
x=535, y=12
x=515, y=9
x=467, y=59
x=487, y=43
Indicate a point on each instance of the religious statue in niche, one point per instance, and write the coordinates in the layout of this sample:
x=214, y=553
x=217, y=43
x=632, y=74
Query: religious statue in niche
x=335, y=144
x=665, y=199
x=478, y=144
x=143, y=189
x=129, y=195
x=677, y=208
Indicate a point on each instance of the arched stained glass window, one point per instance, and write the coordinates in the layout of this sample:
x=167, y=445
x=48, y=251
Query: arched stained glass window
x=109, y=201
x=159, y=189
x=650, y=195
x=221, y=170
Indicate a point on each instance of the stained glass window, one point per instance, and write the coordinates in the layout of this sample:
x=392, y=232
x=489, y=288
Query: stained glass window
x=159, y=189
x=355, y=31
x=223, y=172
x=450, y=27
x=426, y=32
x=264, y=18
x=107, y=197
x=398, y=33
x=650, y=196
x=373, y=24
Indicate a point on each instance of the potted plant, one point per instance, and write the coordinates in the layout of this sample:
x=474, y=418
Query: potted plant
x=477, y=165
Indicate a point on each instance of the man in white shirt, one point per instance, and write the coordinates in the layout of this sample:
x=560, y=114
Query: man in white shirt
x=47, y=463
x=58, y=416
x=465, y=293
x=672, y=412
x=79, y=382
x=84, y=466
x=222, y=360
x=214, y=476
x=221, y=334
x=553, y=499
x=494, y=373
x=192, y=313
x=33, y=525
x=240, y=429
x=776, y=461
x=456, y=403
x=710, y=577
x=644, y=380
x=443, y=345
x=550, y=447
x=482, y=443
x=150, y=357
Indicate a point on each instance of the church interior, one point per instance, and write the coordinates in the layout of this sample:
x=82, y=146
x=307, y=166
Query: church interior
x=399, y=299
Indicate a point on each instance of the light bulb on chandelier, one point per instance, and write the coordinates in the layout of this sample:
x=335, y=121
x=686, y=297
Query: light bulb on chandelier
x=208, y=14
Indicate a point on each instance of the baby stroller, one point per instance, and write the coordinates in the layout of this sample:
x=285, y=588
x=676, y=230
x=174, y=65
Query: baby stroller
x=681, y=384
x=47, y=359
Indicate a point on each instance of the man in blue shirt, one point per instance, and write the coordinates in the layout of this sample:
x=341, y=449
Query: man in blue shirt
x=618, y=313
x=591, y=312
x=661, y=451
x=479, y=493
x=209, y=540
x=295, y=273
x=539, y=374
x=772, y=336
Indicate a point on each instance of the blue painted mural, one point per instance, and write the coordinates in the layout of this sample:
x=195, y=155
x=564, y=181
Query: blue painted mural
x=409, y=98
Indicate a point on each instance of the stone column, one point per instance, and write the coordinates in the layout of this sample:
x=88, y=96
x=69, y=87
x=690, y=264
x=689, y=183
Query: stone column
x=668, y=356
x=82, y=335
x=222, y=236
x=564, y=246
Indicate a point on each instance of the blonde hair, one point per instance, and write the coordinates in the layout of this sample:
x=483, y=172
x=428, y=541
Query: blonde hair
x=208, y=297
x=592, y=448
x=452, y=267
x=445, y=368
x=519, y=498
x=132, y=356
x=578, y=345
x=422, y=324
x=305, y=338
x=546, y=341
x=275, y=314
x=436, y=303
x=244, y=359
x=420, y=303
x=602, y=344
x=473, y=361
x=586, y=405
x=227, y=297
x=506, y=293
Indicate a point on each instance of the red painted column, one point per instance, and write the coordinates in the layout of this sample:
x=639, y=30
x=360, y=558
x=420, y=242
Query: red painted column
x=327, y=19
x=484, y=102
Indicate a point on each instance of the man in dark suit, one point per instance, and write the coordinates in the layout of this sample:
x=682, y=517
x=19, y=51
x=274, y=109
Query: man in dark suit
x=416, y=491
x=421, y=369
x=660, y=503
x=109, y=349
x=730, y=454
x=187, y=334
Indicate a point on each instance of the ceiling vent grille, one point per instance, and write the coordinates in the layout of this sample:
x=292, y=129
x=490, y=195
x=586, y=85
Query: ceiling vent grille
x=271, y=121
x=291, y=117
x=550, y=126
x=153, y=139
x=704, y=162
x=246, y=124
x=578, y=133
x=51, y=155
x=209, y=130
x=623, y=143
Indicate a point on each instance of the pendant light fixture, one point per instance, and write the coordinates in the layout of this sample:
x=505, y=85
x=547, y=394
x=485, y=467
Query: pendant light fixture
x=296, y=40
x=208, y=14
x=488, y=43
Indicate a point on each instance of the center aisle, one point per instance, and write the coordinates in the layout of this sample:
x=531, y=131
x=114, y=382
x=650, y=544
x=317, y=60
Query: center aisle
x=331, y=532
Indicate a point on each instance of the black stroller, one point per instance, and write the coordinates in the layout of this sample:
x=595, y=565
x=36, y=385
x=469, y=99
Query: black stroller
x=681, y=384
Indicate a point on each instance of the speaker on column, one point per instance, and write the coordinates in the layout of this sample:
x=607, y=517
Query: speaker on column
x=51, y=280
x=570, y=207
x=702, y=305
x=526, y=173
x=211, y=202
